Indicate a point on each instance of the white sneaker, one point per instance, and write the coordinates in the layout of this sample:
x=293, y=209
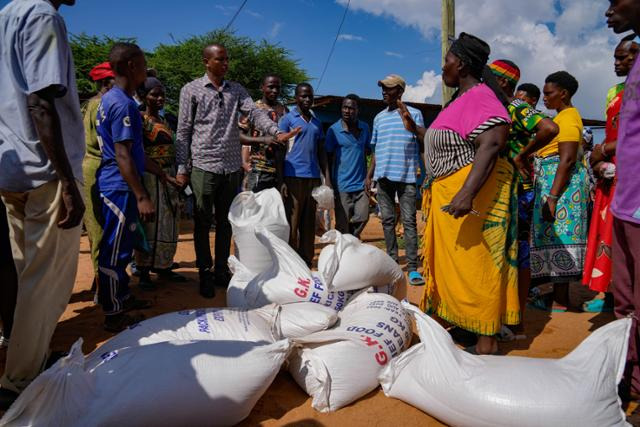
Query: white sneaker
x=4, y=342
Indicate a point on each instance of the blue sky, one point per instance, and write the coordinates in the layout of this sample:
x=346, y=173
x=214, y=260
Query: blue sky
x=382, y=37
x=305, y=27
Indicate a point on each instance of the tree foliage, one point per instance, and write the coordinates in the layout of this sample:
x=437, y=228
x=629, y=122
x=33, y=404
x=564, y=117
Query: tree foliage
x=249, y=62
x=89, y=51
x=179, y=63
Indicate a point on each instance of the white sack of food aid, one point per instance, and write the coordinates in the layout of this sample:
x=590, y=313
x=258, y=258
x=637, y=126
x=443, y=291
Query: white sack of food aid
x=190, y=383
x=461, y=389
x=296, y=319
x=348, y=264
x=288, y=279
x=231, y=324
x=340, y=365
x=249, y=210
x=241, y=276
x=299, y=319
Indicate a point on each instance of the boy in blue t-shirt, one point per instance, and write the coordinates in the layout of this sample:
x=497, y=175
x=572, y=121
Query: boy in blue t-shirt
x=347, y=145
x=124, y=199
x=304, y=162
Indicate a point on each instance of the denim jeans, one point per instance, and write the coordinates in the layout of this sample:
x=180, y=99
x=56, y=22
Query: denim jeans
x=406, y=192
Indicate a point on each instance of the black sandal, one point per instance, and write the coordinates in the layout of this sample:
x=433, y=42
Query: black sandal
x=171, y=276
x=145, y=282
x=133, y=303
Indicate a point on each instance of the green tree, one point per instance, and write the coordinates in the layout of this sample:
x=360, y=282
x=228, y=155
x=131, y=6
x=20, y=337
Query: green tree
x=249, y=61
x=89, y=51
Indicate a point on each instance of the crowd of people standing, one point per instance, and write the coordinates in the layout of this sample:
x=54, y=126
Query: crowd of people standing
x=506, y=196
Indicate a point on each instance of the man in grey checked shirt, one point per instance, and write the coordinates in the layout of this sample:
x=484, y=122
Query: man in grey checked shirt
x=208, y=147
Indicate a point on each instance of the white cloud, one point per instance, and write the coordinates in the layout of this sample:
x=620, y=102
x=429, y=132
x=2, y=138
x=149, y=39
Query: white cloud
x=393, y=54
x=253, y=13
x=350, y=38
x=541, y=37
x=424, y=89
x=226, y=10
x=275, y=30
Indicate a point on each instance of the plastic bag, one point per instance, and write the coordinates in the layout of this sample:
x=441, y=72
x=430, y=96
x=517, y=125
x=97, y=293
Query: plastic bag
x=340, y=365
x=324, y=196
x=174, y=383
x=250, y=210
x=461, y=389
x=348, y=264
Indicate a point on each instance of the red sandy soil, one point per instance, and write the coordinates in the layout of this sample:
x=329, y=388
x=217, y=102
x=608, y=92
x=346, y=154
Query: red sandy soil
x=548, y=335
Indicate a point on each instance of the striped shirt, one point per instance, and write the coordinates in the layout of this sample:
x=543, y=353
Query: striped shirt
x=447, y=152
x=208, y=133
x=396, y=149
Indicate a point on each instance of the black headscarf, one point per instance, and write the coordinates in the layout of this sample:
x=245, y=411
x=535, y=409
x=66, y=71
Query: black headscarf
x=149, y=84
x=475, y=52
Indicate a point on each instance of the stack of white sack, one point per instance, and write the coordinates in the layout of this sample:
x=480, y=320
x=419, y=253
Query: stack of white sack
x=465, y=390
x=170, y=383
x=248, y=210
x=287, y=280
x=338, y=366
x=348, y=264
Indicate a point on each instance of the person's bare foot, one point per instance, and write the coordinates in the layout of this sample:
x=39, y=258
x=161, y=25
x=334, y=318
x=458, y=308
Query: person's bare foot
x=487, y=345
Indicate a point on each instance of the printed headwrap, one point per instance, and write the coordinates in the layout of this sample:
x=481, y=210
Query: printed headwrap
x=501, y=68
x=101, y=72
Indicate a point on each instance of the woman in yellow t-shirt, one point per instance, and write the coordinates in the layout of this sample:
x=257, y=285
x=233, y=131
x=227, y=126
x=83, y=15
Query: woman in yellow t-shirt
x=561, y=194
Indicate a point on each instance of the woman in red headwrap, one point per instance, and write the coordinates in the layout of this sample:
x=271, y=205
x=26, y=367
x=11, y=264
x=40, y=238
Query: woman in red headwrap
x=103, y=76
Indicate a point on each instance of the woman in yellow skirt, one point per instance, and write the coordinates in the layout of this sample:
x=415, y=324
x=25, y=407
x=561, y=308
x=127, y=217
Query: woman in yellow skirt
x=469, y=242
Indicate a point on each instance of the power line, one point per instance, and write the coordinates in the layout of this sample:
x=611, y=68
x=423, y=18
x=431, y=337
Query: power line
x=333, y=46
x=235, y=15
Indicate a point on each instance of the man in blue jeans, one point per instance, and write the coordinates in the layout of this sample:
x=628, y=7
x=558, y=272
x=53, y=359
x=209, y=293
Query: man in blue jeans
x=394, y=168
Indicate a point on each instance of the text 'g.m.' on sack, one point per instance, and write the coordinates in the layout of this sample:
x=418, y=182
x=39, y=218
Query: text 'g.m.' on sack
x=461, y=389
x=249, y=210
x=340, y=365
x=288, y=279
x=348, y=264
x=175, y=383
x=230, y=324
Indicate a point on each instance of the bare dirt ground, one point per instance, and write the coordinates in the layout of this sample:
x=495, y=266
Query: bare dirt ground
x=548, y=335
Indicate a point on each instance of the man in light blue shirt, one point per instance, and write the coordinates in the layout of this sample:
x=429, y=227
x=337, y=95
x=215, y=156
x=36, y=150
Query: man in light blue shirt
x=394, y=167
x=347, y=145
x=41, y=152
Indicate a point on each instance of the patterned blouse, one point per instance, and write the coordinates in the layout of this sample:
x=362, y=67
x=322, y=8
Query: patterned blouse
x=158, y=140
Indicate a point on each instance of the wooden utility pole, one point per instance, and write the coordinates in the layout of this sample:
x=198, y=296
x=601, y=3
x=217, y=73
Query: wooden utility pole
x=448, y=33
